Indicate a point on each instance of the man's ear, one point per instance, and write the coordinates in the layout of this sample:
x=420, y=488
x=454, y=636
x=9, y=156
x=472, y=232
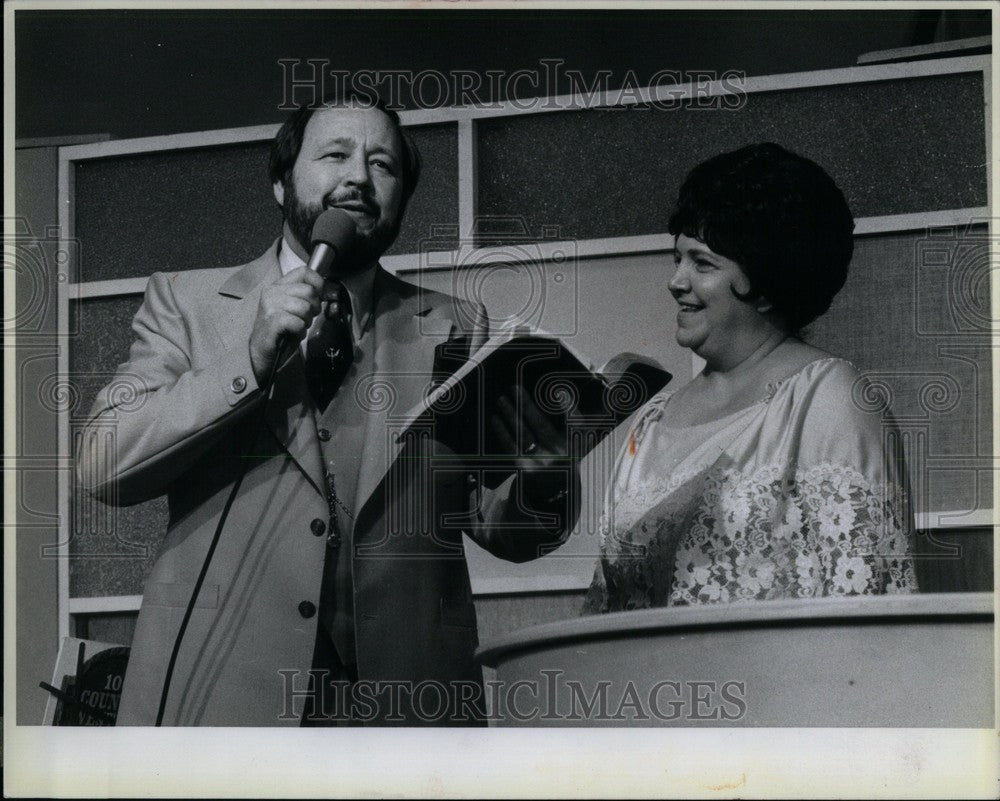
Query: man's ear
x=279, y=193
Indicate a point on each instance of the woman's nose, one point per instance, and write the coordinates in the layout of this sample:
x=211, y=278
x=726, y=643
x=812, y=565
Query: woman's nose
x=679, y=281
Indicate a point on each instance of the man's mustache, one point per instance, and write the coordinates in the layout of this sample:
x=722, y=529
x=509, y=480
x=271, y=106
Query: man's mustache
x=355, y=201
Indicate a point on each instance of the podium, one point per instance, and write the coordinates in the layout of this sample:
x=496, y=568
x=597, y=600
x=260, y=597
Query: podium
x=880, y=661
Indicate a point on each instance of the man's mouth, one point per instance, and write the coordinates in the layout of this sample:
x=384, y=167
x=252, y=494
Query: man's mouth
x=689, y=308
x=356, y=206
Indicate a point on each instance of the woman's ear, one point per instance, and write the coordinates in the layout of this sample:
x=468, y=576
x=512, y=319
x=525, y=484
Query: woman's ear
x=747, y=295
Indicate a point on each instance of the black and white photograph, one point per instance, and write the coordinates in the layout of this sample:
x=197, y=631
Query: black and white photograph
x=541, y=399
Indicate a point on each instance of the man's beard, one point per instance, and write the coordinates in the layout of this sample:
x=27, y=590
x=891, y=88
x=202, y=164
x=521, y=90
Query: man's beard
x=365, y=249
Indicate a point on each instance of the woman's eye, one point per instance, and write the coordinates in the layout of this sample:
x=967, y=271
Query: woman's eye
x=382, y=164
x=704, y=266
x=336, y=155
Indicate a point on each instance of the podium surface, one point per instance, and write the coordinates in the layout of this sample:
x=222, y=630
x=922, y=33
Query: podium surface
x=881, y=661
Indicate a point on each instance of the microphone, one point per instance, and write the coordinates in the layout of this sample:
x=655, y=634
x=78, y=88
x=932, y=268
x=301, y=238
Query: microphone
x=332, y=235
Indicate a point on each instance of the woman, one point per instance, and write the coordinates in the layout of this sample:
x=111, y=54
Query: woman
x=761, y=478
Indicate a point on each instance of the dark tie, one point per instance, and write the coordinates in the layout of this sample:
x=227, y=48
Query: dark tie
x=330, y=351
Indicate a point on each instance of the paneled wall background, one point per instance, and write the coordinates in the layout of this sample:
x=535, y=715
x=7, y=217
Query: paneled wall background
x=558, y=220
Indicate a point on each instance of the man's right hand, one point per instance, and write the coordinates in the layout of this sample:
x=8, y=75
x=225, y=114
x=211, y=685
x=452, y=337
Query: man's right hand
x=286, y=309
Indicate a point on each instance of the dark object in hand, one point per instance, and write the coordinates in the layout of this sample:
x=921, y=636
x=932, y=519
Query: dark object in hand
x=567, y=392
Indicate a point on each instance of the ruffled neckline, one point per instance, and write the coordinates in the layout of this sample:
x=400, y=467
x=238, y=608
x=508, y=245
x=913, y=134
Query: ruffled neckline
x=772, y=388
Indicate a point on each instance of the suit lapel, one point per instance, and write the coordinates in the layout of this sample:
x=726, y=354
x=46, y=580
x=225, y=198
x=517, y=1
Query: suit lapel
x=408, y=327
x=291, y=419
x=289, y=415
x=241, y=293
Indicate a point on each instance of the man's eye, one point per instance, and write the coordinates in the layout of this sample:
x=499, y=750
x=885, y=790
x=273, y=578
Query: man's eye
x=704, y=266
x=382, y=164
x=337, y=155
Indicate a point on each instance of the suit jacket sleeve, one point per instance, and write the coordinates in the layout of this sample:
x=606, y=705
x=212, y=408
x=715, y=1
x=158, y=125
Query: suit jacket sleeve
x=506, y=523
x=161, y=411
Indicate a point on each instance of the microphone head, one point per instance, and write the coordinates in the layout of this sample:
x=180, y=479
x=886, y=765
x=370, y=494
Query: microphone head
x=334, y=227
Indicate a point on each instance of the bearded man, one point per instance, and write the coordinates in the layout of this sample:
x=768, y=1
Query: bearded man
x=338, y=593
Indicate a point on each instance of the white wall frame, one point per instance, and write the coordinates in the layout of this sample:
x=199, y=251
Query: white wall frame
x=956, y=47
x=466, y=119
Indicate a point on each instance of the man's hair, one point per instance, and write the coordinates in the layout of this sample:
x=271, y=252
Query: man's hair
x=288, y=141
x=780, y=217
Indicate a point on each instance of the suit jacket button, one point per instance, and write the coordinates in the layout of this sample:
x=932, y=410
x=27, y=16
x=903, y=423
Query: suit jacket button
x=239, y=384
x=324, y=435
x=307, y=609
x=317, y=527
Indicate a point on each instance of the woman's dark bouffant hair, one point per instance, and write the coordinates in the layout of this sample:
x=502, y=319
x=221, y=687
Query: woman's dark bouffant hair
x=780, y=217
x=288, y=141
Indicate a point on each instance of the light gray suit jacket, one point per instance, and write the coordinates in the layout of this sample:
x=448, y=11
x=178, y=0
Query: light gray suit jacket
x=183, y=432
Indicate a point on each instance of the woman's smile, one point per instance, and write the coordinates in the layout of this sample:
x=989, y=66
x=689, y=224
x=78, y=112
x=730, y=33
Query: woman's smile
x=687, y=307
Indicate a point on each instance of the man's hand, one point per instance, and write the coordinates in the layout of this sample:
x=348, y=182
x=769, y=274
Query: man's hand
x=543, y=446
x=286, y=309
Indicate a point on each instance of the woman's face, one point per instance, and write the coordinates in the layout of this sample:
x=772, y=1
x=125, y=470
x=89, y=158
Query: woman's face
x=711, y=321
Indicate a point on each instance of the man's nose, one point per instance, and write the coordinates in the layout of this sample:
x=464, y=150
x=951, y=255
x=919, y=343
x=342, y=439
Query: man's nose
x=357, y=173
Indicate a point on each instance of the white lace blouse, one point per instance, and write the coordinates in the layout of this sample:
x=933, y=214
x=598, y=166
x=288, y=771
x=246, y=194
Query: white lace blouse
x=802, y=494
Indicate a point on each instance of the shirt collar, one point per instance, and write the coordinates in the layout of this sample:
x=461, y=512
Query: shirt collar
x=360, y=287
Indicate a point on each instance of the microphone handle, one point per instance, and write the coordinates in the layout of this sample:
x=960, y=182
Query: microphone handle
x=320, y=262
x=322, y=258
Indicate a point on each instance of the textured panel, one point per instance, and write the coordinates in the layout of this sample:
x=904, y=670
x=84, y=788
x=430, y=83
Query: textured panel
x=435, y=203
x=616, y=173
x=175, y=210
x=601, y=306
x=914, y=317
x=112, y=627
x=112, y=548
x=213, y=207
x=955, y=561
x=104, y=327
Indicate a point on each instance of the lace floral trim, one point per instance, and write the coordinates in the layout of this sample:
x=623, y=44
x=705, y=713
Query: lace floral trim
x=757, y=536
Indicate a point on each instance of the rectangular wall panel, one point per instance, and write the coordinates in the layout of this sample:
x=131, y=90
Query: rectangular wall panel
x=914, y=318
x=894, y=147
x=112, y=549
x=214, y=206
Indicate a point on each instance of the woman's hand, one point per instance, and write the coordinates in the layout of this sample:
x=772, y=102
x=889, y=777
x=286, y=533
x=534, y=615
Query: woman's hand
x=540, y=448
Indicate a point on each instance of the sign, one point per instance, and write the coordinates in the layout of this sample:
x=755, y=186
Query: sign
x=87, y=684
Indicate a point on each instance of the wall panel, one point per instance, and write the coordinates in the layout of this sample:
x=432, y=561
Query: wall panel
x=214, y=207
x=914, y=318
x=112, y=548
x=616, y=172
